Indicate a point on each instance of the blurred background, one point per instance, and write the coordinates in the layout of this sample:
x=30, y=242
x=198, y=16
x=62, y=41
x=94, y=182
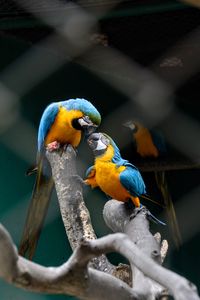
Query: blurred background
x=134, y=60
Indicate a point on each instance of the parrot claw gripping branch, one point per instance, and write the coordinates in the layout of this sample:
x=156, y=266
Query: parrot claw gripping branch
x=115, y=176
x=61, y=124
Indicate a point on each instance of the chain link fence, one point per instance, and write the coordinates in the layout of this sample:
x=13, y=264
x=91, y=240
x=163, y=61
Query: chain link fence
x=110, y=40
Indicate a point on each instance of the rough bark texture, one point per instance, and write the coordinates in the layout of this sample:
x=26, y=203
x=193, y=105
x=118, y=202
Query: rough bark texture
x=77, y=276
x=138, y=231
x=75, y=215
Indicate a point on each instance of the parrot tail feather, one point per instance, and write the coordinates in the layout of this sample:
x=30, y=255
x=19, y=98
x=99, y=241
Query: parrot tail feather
x=153, y=201
x=36, y=213
x=173, y=223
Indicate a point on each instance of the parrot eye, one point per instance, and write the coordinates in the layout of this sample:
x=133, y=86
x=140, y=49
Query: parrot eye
x=94, y=137
x=86, y=119
x=76, y=124
x=105, y=140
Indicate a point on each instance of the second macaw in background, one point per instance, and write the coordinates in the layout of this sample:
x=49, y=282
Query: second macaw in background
x=151, y=144
x=62, y=123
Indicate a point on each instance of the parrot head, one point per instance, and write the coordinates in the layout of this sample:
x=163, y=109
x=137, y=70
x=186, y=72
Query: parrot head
x=91, y=118
x=133, y=126
x=99, y=143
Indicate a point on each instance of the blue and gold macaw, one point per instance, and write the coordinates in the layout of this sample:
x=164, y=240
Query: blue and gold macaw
x=61, y=123
x=114, y=175
x=151, y=144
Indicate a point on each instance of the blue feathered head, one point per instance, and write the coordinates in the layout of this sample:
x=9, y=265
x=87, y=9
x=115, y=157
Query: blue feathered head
x=85, y=106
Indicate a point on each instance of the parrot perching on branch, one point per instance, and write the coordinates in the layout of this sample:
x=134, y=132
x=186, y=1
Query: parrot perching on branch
x=62, y=123
x=114, y=175
x=151, y=144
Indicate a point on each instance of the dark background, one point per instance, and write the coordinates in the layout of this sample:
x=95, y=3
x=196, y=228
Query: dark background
x=142, y=30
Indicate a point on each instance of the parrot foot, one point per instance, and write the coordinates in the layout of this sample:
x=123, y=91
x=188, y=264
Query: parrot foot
x=148, y=214
x=154, y=219
x=65, y=147
x=136, y=211
x=53, y=146
x=69, y=145
x=79, y=179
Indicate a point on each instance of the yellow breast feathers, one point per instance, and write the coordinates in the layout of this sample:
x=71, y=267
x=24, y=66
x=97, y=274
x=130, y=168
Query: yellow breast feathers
x=145, y=145
x=62, y=130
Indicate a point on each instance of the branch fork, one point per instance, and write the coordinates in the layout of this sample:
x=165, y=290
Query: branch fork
x=88, y=274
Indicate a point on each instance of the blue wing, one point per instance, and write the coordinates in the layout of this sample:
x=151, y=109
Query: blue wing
x=85, y=106
x=42, y=189
x=159, y=141
x=132, y=180
x=46, y=121
x=90, y=171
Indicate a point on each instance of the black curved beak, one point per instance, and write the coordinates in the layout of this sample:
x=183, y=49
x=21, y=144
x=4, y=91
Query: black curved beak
x=87, y=125
x=93, y=141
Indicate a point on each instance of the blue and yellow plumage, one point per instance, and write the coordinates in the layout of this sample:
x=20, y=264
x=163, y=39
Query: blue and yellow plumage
x=61, y=123
x=151, y=144
x=114, y=175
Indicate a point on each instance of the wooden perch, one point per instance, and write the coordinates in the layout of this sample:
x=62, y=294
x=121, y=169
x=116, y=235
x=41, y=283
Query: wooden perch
x=72, y=278
x=75, y=215
x=195, y=3
x=76, y=279
x=138, y=231
x=175, y=164
x=78, y=276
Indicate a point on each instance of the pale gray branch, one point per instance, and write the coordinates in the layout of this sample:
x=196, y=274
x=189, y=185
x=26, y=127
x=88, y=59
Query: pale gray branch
x=72, y=278
x=78, y=225
x=122, y=218
x=144, y=253
x=179, y=287
x=75, y=215
x=76, y=279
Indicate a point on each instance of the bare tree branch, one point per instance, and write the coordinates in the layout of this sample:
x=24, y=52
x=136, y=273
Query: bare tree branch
x=121, y=218
x=136, y=228
x=195, y=3
x=163, y=246
x=72, y=278
x=168, y=165
x=75, y=215
x=178, y=286
x=75, y=278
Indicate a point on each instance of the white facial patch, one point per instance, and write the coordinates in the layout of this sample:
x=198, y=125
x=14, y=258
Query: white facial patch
x=82, y=122
x=100, y=146
x=132, y=126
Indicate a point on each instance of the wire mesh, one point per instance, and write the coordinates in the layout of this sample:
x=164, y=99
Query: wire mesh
x=126, y=50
